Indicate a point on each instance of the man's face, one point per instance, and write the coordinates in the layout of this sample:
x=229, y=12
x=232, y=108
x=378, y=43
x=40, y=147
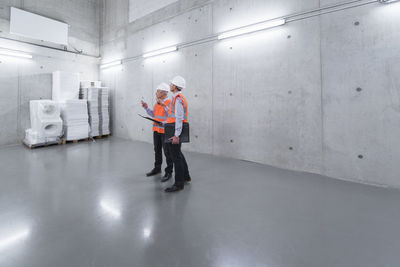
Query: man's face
x=171, y=87
x=159, y=93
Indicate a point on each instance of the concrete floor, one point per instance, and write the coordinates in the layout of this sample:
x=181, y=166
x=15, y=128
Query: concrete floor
x=89, y=204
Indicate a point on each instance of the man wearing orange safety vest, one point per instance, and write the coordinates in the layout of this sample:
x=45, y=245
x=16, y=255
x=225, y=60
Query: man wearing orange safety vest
x=160, y=115
x=177, y=115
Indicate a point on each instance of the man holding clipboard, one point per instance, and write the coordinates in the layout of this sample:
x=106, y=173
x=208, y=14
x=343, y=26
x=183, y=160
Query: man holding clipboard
x=159, y=116
x=176, y=132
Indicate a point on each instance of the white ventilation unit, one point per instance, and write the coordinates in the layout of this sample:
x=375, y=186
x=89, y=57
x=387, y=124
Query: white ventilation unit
x=33, y=26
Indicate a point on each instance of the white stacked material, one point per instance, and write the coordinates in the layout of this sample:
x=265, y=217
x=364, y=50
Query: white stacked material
x=92, y=97
x=44, y=109
x=65, y=86
x=46, y=124
x=34, y=138
x=89, y=84
x=98, y=108
x=105, y=113
x=75, y=116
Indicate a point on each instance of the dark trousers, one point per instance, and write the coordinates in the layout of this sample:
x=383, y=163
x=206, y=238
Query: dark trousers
x=181, y=167
x=159, y=144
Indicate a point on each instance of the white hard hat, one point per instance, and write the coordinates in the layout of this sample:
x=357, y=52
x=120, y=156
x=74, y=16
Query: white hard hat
x=179, y=81
x=163, y=87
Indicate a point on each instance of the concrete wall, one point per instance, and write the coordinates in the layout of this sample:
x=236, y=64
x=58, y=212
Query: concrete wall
x=286, y=97
x=25, y=80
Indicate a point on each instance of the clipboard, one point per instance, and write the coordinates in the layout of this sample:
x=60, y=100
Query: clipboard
x=170, y=131
x=150, y=119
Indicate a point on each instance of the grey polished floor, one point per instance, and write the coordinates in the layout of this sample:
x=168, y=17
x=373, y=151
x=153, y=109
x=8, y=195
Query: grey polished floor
x=89, y=204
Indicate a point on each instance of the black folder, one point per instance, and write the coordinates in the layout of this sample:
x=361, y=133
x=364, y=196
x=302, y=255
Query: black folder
x=150, y=119
x=170, y=131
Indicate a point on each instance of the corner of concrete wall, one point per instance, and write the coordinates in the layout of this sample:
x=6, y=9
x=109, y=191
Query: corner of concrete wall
x=25, y=80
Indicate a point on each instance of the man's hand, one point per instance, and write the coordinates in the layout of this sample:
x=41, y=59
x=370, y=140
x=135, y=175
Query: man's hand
x=160, y=102
x=144, y=105
x=175, y=140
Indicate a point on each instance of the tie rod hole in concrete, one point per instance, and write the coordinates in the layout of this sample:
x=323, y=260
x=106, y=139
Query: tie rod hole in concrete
x=359, y=89
x=360, y=156
x=356, y=23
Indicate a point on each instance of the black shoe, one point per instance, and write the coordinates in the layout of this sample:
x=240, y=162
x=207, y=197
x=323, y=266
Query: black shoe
x=173, y=188
x=153, y=172
x=188, y=180
x=166, y=177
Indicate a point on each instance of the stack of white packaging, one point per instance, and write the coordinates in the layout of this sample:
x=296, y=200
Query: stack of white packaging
x=90, y=84
x=92, y=97
x=105, y=114
x=75, y=117
x=46, y=124
x=97, y=98
x=73, y=111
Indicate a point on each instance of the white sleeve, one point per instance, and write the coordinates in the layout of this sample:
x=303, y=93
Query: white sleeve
x=179, y=116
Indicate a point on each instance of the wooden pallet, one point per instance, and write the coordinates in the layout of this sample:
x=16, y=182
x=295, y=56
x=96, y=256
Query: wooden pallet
x=30, y=146
x=102, y=136
x=64, y=141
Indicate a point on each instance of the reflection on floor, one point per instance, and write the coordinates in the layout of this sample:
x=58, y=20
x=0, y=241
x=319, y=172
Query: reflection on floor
x=89, y=204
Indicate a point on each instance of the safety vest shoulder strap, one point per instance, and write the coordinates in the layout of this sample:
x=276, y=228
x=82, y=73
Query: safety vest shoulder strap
x=183, y=101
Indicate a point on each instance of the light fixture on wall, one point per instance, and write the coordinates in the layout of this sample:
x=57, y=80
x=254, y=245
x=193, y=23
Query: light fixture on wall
x=160, y=51
x=387, y=1
x=111, y=64
x=252, y=28
x=13, y=53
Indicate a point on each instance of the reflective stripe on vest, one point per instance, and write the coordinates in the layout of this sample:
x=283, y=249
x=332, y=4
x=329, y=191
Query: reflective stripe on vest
x=159, y=129
x=171, y=113
x=160, y=115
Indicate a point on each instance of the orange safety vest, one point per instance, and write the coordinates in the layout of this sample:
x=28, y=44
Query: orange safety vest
x=160, y=115
x=171, y=112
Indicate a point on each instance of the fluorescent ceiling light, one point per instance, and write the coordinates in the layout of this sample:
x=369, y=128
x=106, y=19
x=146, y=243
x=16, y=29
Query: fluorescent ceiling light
x=388, y=1
x=161, y=51
x=13, y=239
x=111, y=64
x=12, y=53
x=252, y=28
